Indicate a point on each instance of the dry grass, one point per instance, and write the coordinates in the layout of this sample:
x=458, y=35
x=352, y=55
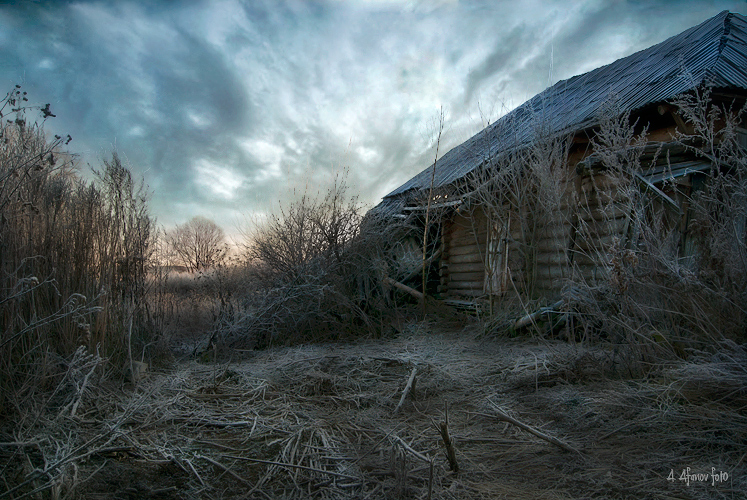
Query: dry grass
x=319, y=422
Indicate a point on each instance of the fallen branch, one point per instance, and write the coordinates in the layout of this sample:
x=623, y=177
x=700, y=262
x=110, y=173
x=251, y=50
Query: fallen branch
x=408, y=387
x=404, y=288
x=502, y=416
x=407, y=447
x=226, y=469
x=195, y=472
x=532, y=318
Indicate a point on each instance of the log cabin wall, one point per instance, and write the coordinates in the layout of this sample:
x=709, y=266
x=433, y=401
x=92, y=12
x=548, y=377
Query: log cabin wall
x=572, y=241
x=602, y=219
x=470, y=248
x=463, y=248
x=549, y=240
x=548, y=246
x=594, y=213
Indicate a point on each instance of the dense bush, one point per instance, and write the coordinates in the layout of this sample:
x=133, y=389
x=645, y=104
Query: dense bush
x=311, y=272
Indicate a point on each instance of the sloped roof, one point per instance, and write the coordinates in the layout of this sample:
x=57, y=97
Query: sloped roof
x=715, y=50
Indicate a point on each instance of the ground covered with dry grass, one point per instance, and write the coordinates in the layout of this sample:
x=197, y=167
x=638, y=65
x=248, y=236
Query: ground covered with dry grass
x=329, y=421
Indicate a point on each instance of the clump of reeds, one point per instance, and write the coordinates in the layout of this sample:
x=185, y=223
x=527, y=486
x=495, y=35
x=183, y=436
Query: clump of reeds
x=74, y=263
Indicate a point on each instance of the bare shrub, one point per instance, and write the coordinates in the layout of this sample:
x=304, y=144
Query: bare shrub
x=312, y=272
x=301, y=254
x=304, y=232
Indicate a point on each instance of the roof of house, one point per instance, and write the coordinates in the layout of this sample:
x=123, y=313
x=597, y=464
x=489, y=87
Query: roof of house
x=715, y=50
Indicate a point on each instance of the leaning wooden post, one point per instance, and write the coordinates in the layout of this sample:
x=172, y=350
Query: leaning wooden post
x=428, y=211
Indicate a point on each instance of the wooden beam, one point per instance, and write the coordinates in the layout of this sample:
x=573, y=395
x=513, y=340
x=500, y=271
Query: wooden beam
x=657, y=191
x=532, y=318
x=403, y=287
x=465, y=259
x=470, y=267
x=464, y=250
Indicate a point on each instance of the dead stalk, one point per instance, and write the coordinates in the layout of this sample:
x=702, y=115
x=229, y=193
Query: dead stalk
x=450, y=449
x=410, y=386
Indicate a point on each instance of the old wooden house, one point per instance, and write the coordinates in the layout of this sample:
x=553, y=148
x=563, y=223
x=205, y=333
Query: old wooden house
x=556, y=204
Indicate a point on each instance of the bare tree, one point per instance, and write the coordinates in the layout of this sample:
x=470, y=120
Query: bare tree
x=199, y=244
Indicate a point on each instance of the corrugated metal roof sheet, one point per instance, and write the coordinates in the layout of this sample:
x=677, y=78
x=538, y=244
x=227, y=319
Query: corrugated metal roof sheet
x=715, y=49
x=665, y=172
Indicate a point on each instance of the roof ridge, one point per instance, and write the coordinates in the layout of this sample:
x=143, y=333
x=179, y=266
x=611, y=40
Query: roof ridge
x=727, y=29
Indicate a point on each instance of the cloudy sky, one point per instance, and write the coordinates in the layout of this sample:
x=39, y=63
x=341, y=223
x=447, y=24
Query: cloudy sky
x=228, y=107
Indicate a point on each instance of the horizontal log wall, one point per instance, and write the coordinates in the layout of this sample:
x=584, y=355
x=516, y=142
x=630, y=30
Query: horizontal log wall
x=551, y=263
x=517, y=257
x=463, y=262
x=462, y=269
x=551, y=237
x=603, y=221
x=572, y=240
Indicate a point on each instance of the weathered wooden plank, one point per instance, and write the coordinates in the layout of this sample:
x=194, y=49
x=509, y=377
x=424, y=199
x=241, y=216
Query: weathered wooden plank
x=464, y=259
x=467, y=239
x=474, y=276
x=586, y=262
x=600, y=182
x=467, y=228
x=602, y=198
x=465, y=285
x=466, y=249
x=551, y=258
x=595, y=244
x=587, y=273
x=551, y=272
x=465, y=293
x=551, y=245
x=553, y=232
x=466, y=267
x=606, y=212
x=603, y=227
x=547, y=283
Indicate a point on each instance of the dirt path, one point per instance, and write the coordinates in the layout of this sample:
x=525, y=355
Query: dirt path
x=320, y=422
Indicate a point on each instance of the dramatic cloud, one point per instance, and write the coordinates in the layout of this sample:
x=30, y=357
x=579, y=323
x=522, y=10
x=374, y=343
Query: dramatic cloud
x=226, y=107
